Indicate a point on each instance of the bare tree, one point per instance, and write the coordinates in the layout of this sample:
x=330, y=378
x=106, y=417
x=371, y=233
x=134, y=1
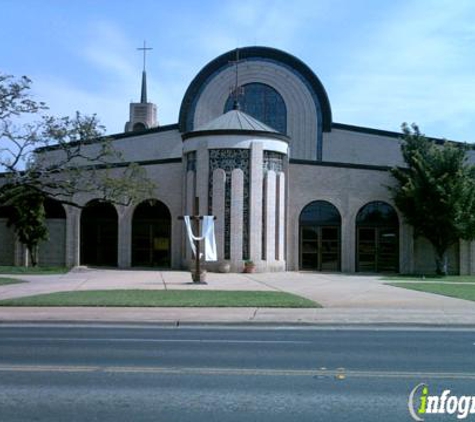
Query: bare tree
x=58, y=157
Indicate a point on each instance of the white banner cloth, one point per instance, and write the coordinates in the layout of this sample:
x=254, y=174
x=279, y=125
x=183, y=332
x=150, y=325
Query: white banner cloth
x=207, y=235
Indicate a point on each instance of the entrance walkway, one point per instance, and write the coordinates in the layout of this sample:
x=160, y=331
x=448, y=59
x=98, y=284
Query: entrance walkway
x=346, y=298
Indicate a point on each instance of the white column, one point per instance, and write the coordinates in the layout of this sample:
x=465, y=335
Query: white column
x=280, y=229
x=190, y=194
x=219, y=181
x=237, y=199
x=202, y=176
x=270, y=191
x=255, y=202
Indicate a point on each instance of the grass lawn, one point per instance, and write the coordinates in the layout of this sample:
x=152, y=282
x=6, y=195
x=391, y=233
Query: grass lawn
x=431, y=278
x=32, y=270
x=165, y=298
x=460, y=291
x=5, y=280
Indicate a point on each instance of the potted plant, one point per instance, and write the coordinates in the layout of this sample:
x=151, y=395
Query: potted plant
x=249, y=266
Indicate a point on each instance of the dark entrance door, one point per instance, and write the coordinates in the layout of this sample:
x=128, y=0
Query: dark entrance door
x=378, y=249
x=151, y=235
x=320, y=248
x=99, y=235
x=377, y=238
x=320, y=224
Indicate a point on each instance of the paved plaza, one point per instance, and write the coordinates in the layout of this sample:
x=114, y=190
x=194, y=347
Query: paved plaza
x=346, y=299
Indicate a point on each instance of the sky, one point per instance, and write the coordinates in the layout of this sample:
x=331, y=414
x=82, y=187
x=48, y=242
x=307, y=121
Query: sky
x=381, y=62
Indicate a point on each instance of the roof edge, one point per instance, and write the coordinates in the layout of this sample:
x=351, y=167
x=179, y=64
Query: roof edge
x=387, y=133
x=257, y=133
x=114, y=137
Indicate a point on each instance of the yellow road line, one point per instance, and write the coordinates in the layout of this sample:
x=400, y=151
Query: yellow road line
x=327, y=373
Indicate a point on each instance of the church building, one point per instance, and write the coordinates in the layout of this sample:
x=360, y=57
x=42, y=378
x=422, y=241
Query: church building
x=256, y=146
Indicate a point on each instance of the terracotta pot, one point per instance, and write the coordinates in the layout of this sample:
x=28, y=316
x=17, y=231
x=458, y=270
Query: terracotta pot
x=249, y=268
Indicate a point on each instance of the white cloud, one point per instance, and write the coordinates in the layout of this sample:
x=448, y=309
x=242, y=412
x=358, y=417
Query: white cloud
x=417, y=65
x=108, y=48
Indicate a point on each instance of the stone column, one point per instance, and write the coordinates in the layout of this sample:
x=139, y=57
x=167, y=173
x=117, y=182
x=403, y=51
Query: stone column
x=280, y=230
x=190, y=194
x=270, y=210
x=202, y=176
x=219, y=180
x=237, y=199
x=124, y=256
x=406, y=248
x=73, y=236
x=255, y=202
x=348, y=243
x=472, y=258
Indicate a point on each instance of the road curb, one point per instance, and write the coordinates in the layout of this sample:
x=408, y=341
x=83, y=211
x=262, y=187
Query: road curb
x=237, y=324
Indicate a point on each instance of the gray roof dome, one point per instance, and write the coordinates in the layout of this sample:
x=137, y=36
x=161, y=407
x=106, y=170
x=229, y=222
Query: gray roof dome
x=235, y=122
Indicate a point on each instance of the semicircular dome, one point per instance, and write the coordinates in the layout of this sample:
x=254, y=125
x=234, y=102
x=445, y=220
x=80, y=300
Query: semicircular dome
x=303, y=111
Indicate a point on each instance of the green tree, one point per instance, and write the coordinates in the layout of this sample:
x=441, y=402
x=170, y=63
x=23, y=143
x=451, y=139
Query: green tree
x=58, y=157
x=28, y=219
x=436, y=192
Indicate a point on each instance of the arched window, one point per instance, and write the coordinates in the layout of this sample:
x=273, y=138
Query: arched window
x=377, y=237
x=263, y=103
x=7, y=237
x=139, y=127
x=320, y=227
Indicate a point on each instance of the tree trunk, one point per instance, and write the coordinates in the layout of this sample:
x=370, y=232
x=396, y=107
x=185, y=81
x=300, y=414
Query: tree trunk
x=33, y=252
x=441, y=263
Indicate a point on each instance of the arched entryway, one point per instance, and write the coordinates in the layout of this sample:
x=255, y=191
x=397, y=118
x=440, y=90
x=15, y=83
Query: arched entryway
x=151, y=235
x=7, y=237
x=377, y=238
x=320, y=228
x=52, y=252
x=99, y=234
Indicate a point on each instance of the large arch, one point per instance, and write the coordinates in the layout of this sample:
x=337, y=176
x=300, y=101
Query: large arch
x=377, y=238
x=252, y=53
x=320, y=237
x=7, y=237
x=307, y=104
x=151, y=235
x=99, y=234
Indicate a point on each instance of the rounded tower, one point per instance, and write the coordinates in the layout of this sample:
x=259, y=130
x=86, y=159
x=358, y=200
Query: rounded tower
x=237, y=166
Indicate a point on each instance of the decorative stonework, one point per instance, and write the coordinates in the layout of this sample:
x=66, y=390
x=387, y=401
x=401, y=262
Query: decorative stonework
x=191, y=161
x=228, y=160
x=273, y=161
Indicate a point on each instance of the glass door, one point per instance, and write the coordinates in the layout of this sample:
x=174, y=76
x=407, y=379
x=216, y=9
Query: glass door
x=320, y=248
x=377, y=249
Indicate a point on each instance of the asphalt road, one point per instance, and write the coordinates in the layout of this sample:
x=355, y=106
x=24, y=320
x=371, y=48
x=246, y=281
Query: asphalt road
x=150, y=373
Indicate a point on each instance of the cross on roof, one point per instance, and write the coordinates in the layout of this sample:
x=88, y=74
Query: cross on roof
x=236, y=91
x=144, y=49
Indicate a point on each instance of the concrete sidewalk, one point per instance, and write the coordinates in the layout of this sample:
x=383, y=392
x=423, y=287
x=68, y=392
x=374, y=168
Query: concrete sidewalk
x=347, y=299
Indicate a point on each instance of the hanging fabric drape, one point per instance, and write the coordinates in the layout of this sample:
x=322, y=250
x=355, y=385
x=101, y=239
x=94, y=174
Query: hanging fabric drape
x=207, y=235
